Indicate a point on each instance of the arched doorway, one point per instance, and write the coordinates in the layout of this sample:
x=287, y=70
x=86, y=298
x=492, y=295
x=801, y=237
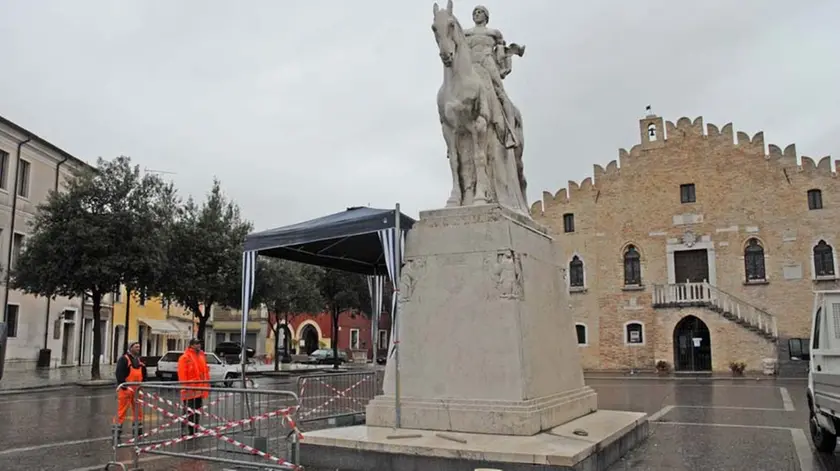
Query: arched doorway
x=310, y=338
x=692, y=345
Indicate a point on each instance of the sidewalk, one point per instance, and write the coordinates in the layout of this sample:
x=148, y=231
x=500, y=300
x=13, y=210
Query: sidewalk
x=17, y=380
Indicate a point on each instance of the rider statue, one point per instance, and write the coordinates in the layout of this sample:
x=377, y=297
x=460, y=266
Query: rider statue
x=492, y=60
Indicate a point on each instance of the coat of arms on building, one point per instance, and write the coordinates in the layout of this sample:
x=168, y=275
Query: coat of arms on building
x=689, y=238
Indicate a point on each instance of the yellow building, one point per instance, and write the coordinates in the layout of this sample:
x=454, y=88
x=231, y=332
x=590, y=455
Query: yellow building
x=158, y=325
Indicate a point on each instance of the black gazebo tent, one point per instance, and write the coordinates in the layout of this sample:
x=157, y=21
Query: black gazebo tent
x=361, y=239
x=351, y=240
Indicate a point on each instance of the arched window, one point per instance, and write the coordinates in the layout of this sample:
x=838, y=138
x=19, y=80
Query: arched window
x=634, y=333
x=632, y=267
x=651, y=132
x=754, y=261
x=823, y=259
x=576, y=272
x=580, y=330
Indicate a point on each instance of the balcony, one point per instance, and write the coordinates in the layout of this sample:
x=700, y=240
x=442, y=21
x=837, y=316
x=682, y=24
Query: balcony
x=730, y=307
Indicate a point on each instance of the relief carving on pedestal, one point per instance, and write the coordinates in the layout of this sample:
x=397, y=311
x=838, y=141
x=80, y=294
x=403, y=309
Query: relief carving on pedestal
x=411, y=270
x=508, y=275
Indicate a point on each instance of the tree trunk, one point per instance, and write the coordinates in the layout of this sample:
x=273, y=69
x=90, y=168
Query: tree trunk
x=203, y=318
x=202, y=327
x=127, y=316
x=276, y=343
x=96, y=297
x=334, y=339
x=287, y=339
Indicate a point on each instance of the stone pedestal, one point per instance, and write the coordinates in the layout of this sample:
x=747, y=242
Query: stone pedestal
x=487, y=344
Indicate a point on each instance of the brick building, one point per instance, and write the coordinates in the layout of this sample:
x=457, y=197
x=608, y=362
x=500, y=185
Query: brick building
x=700, y=247
x=310, y=332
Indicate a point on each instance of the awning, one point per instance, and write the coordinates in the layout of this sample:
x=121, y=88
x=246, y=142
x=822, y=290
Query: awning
x=160, y=327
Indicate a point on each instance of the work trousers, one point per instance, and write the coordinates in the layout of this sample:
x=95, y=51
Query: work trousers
x=194, y=404
x=125, y=400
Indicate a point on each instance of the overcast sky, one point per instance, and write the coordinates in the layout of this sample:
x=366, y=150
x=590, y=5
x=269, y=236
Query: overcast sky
x=303, y=108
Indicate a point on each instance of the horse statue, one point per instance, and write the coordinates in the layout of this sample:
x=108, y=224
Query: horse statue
x=481, y=127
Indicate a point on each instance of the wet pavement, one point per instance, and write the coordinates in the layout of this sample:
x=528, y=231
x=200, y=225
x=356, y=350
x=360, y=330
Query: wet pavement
x=697, y=425
x=15, y=380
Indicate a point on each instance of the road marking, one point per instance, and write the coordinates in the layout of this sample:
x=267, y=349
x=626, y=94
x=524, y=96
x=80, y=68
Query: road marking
x=786, y=400
x=141, y=460
x=803, y=450
x=763, y=427
x=766, y=409
x=658, y=415
x=146, y=459
x=674, y=384
x=52, y=445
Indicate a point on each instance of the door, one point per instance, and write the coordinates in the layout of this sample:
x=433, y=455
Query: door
x=66, y=343
x=692, y=345
x=310, y=339
x=691, y=266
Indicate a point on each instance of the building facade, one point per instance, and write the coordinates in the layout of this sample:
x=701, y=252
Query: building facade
x=225, y=325
x=699, y=247
x=31, y=167
x=159, y=325
x=309, y=332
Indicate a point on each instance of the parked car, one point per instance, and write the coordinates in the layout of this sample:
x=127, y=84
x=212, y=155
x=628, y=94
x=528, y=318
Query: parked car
x=382, y=356
x=325, y=356
x=167, y=368
x=232, y=348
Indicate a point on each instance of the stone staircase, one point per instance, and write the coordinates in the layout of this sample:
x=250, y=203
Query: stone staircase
x=748, y=316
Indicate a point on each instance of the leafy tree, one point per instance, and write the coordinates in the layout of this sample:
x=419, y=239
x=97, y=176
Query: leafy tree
x=343, y=291
x=287, y=288
x=84, y=240
x=154, y=207
x=205, y=256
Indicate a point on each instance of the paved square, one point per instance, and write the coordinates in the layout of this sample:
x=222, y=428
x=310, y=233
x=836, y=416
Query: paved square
x=717, y=424
x=696, y=425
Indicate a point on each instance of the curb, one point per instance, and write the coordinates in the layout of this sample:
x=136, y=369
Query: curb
x=97, y=383
x=35, y=389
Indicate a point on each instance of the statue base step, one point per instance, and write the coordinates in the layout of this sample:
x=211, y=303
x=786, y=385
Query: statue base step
x=483, y=416
x=591, y=443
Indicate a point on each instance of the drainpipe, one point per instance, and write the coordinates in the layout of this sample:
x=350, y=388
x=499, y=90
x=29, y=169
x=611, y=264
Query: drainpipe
x=49, y=300
x=12, y=229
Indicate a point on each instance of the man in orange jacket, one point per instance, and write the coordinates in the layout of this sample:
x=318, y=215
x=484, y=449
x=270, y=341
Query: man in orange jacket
x=129, y=370
x=192, y=367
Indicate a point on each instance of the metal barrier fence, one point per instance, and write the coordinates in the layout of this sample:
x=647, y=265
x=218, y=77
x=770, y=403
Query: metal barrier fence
x=247, y=427
x=334, y=395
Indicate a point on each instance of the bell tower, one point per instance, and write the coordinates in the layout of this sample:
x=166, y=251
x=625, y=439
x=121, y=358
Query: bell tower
x=651, y=130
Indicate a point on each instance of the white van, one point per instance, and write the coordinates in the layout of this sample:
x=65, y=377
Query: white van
x=824, y=371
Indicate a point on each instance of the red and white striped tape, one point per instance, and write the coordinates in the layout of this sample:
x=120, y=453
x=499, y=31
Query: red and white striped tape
x=213, y=433
x=312, y=411
x=287, y=415
x=228, y=425
x=189, y=412
x=344, y=393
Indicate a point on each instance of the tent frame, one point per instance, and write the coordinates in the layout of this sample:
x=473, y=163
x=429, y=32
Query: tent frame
x=286, y=243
